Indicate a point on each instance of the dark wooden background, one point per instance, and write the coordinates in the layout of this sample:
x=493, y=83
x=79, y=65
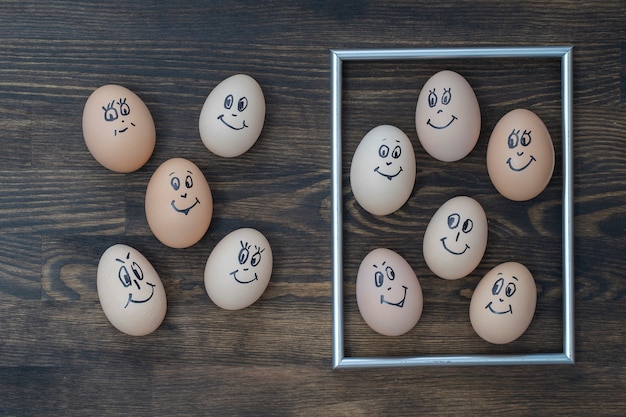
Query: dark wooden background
x=59, y=209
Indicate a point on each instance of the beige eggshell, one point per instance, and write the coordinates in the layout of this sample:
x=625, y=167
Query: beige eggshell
x=382, y=173
x=388, y=293
x=456, y=238
x=232, y=116
x=447, y=117
x=238, y=269
x=503, y=303
x=118, y=128
x=520, y=155
x=130, y=291
x=179, y=203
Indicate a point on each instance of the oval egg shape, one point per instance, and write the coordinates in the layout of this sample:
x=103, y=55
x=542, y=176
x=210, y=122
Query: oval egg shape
x=238, y=269
x=130, y=291
x=233, y=116
x=503, y=303
x=455, y=239
x=388, y=293
x=382, y=173
x=520, y=155
x=447, y=117
x=118, y=128
x=179, y=203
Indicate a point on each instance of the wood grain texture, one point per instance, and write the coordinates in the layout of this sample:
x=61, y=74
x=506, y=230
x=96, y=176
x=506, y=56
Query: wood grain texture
x=59, y=209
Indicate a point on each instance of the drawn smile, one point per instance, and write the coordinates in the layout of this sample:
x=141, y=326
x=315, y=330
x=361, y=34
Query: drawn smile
x=442, y=127
x=399, y=303
x=508, y=161
x=130, y=297
x=510, y=310
x=221, y=117
x=443, y=242
x=185, y=211
x=388, y=176
x=234, y=274
x=115, y=131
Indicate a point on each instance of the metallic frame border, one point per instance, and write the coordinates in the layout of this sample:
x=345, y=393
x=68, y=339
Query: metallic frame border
x=339, y=360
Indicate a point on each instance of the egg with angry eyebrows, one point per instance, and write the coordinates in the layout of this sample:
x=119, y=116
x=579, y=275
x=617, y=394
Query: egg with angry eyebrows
x=382, y=173
x=179, y=203
x=456, y=238
x=388, y=293
x=447, y=117
x=238, y=269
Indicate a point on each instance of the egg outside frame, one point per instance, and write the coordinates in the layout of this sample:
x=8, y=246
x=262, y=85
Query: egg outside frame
x=565, y=53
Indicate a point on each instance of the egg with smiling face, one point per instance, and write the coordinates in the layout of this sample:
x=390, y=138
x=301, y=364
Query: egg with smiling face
x=232, y=116
x=388, y=293
x=503, y=303
x=455, y=239
x=520, y=155
x=447, y=117
x=382, y=173
x=179, y=203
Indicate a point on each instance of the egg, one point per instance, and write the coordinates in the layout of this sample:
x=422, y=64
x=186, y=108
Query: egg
x=503, y=303
x=130, y=291
x=232, y=116
x=179, y=203
x=238, y=269
x=382, y=172
x=455, y=239
x=118, y=128
x=520, y=155
x=388, y=293
x=447, y=117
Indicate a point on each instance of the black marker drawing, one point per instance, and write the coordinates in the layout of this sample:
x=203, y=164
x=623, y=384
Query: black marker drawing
x=513, y=141
x=127, y=280
x=384, y=152
x=454, y=220
x=509, y=290
x=111, y=114
x=445, y=100
x=242, y=258
x=175, y=183
x=242, y=104
x=379, y=279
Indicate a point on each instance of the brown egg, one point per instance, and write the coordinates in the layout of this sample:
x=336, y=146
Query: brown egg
x=503, y=303
x=179, y=203
x=447, y=116
x=520, y=155
x=118, y=128
x=130, y=291
x=388, y=293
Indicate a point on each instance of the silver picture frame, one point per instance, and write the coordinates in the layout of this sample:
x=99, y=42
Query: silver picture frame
x=337, y=57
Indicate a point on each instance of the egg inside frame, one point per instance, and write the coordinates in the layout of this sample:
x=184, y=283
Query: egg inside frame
x=339, y=197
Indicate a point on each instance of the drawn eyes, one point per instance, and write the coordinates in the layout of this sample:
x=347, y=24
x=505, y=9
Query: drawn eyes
x=175, y=182
x=455, y=219
x=499, y=284
x=379, y=277
x=445, y=98
x=514, y=138
x=242, y=104
x=244, y=254
x=110, y=112
x=125, y=277
x=383, y=151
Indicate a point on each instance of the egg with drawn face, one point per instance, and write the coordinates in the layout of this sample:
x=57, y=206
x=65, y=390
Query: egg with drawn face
x=456, y=238
x=447, y=117
x=118, y=128
x=130, y=291
x=238, y=269
x=382, y=173
x=503, y=303
x=179, y=203
x=520, y=155
x=232, y=116
x=388, y=293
